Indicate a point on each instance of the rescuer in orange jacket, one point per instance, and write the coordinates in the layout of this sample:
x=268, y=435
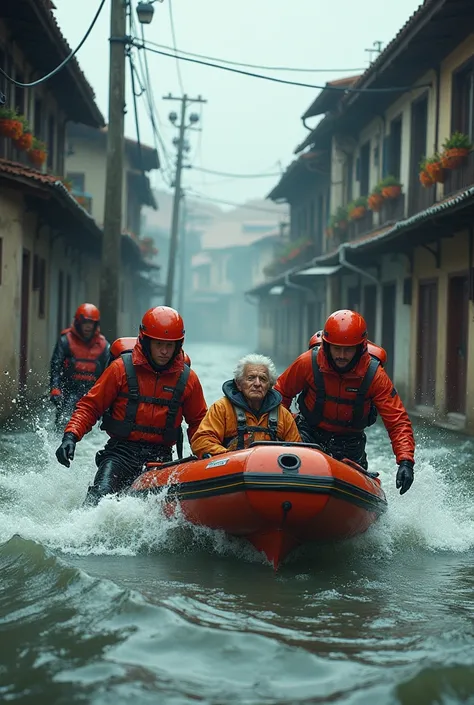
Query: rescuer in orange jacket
x=337, y=385
x=142, y=396
x=78, y=360
x=250, y=410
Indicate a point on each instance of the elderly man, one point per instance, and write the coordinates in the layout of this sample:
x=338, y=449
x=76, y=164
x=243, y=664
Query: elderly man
x=251, y=410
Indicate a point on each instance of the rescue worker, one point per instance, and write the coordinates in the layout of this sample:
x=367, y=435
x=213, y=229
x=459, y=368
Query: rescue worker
x=143, y=396
x=250, y=410
x=78, y=360
x=337, y=383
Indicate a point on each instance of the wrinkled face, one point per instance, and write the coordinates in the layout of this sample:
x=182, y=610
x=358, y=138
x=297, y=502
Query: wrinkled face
x=342, y=354
x=87, y=328
x=254, y=384
x=162, y=351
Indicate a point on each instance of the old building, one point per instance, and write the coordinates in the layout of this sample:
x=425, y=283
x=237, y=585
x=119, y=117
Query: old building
x=399, y=244
x=49, y=244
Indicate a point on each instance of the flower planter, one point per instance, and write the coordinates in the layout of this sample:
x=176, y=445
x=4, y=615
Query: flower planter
x=436, y=171
x=11, y=128
x=375, y=202
x=37, y=157
x=391, y=191
x=357, y=213
x=454, y=158
x=426, y=179
x=25, y=142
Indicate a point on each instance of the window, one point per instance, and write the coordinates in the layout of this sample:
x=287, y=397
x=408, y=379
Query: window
x=38, y=120
x=364, y=169
x=348, y=177
x=20, y=94
x=78, y=181
x=395, y=148
x=51, y=141
x=35, y=273
x=463, y=101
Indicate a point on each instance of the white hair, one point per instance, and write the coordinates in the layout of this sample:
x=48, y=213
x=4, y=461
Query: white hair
x=255, y=359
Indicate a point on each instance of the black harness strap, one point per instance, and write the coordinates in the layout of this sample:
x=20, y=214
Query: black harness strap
x=123, y=428
x=314, y=416
x=243, y=428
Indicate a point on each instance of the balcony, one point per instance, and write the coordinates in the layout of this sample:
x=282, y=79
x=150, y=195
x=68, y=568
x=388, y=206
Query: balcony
x=457, y=179
x=295, y=253
x=360, y=226
x=84, y=199
x=419, y=197
x=392, y=210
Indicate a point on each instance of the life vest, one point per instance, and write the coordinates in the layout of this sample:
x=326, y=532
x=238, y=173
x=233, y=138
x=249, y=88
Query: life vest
x=169, y=433
x=83, y=363
x=360, y=419
x=373, y=349
x=243, y=429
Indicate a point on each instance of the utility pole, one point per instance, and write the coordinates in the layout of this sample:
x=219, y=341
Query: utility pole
x=111, y=246
x=181, y=145
x=182, y=255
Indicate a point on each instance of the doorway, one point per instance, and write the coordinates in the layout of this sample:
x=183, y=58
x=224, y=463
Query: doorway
x=389, y=299
x=427, y=343
x=25, y=311
x=456, y=362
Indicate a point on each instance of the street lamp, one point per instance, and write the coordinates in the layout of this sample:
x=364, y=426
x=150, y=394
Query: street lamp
x=193, y=118
x=145, y=11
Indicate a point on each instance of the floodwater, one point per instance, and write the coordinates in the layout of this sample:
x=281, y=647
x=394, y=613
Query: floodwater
x=116, y=604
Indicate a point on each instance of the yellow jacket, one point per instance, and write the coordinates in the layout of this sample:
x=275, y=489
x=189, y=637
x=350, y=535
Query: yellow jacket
x=217, y=432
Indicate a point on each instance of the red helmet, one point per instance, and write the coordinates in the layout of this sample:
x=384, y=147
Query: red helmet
x=187, y=359
x=162, y=323
x=345, y=328
x=87, y=312
x=315, y=340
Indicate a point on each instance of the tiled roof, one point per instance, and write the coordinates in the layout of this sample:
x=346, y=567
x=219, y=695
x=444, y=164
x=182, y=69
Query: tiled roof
x=327, y=99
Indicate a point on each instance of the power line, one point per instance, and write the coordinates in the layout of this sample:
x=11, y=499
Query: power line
x=63, y=63
x=235, y=176
x=274, y=79
x=203, y=197
x=173, y=35
x=252, y=66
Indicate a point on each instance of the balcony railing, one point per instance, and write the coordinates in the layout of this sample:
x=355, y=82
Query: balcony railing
x=419, y=197
x=457, y=179
x=393, y=210
x=359, y=227
x=84, y=199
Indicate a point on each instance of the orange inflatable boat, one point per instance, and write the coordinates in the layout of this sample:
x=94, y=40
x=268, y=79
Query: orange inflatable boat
x=277, y=495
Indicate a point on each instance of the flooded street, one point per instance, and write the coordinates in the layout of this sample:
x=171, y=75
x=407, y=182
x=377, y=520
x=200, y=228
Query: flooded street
x=115, y=603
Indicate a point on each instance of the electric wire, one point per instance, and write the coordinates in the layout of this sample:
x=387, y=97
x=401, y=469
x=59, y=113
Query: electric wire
x=203, y=197
x=173, y=35
x=236, y=176
x=274, y=79
x=253, y=66
x=63, y=63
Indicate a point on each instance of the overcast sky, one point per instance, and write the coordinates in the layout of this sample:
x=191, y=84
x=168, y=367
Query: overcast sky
x=249, y=126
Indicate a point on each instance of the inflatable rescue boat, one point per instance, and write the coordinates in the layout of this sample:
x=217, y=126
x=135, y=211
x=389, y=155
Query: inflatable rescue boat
x=276, y=495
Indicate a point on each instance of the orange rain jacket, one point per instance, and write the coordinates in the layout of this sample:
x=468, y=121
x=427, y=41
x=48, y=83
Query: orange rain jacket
x=341, y=391
x=106, y=394
x=218, y=431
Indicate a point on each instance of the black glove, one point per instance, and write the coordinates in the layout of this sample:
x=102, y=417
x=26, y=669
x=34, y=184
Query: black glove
x=404, y=476
x=65, y=452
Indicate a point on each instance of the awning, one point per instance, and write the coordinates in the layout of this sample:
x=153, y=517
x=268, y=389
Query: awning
x=318, y=271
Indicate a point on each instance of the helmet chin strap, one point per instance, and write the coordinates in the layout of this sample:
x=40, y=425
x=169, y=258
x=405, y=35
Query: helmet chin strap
x=350, y=365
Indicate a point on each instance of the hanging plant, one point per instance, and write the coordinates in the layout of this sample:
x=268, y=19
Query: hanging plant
x=37, y=154
x=10, y=124
x=455, y=150
x=391, y=187
x=358, y=208
x=338, y=222
x=25, y=141
x=375, y=200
